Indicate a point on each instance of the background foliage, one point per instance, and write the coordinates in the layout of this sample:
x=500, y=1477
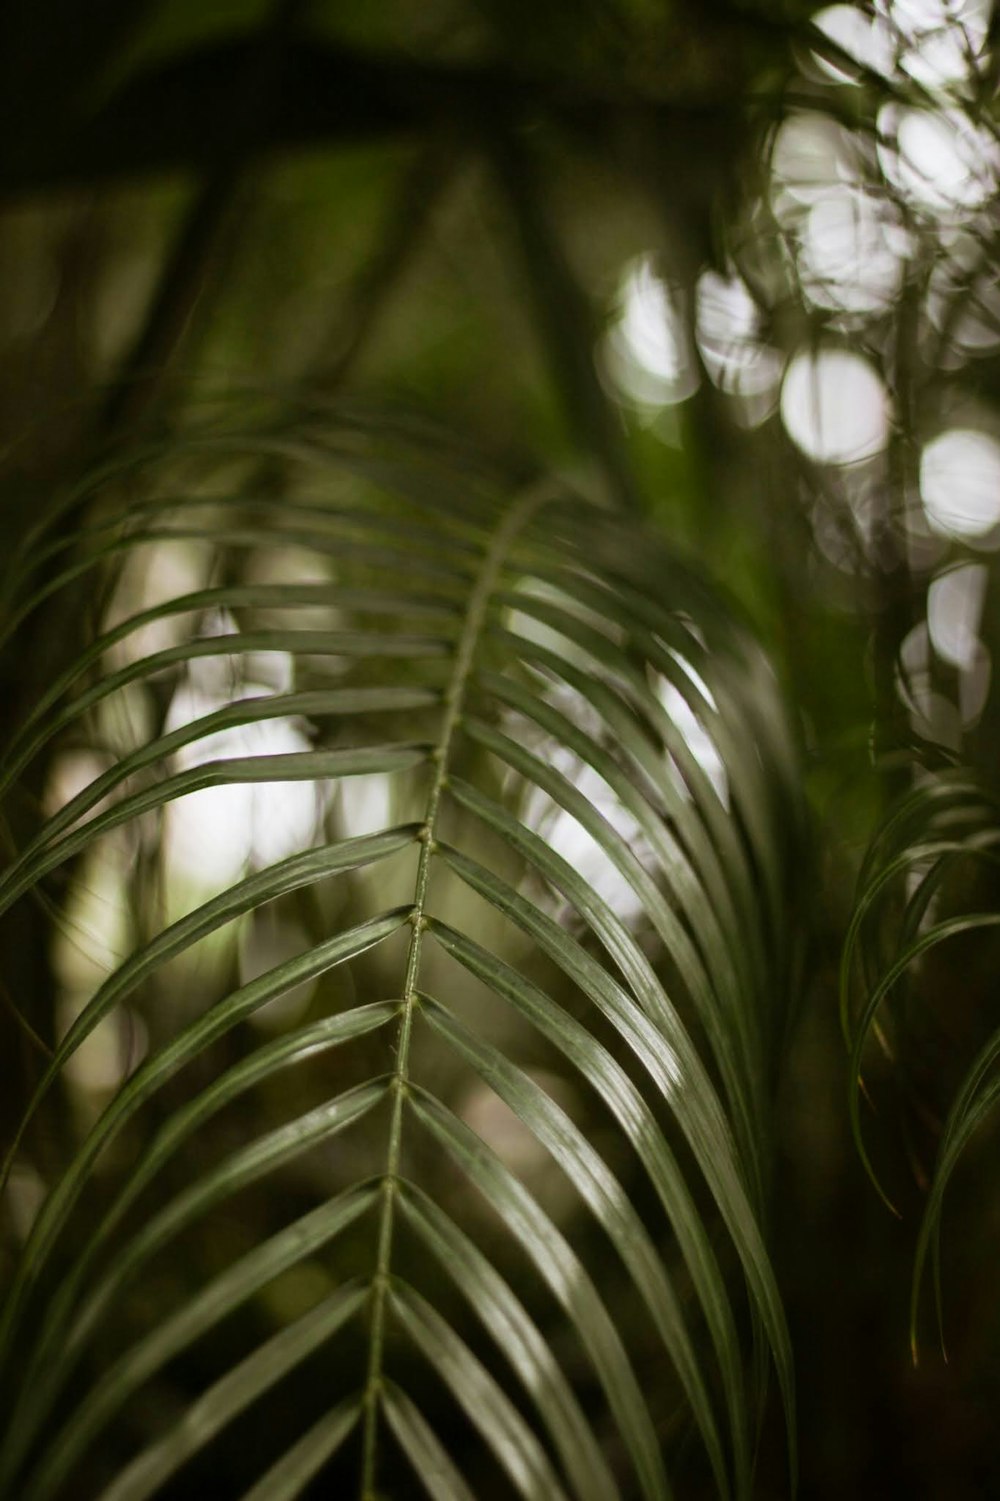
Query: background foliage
x=728, y=268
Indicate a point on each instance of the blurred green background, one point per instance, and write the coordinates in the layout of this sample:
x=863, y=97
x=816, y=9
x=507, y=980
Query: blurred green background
x=731, y=265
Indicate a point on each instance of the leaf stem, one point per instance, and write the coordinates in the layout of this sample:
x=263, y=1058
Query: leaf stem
x=514, y=520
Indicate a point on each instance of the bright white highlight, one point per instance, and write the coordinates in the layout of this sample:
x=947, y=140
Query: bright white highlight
x=735, y=356
x=954, y=607
x=365, y=804
x=864, y=38
x=942, y=41
x=851, y=257
x=212, y=836
x=156, y=573
x=691, y=730
x=960, y=483
x=938, y=159
x=649, y=324
x=563, y=832
x=648, y=350
x=834, y=406
x=812, y=154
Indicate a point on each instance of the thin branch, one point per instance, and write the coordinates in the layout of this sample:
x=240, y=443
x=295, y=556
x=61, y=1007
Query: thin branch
x=422, y=187
x=162, y=119
x=565, y=318
x=251, y=102
x=23, y=1023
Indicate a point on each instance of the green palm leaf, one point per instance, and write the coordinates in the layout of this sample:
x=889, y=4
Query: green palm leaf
x=524, y=1119
x=948, y=828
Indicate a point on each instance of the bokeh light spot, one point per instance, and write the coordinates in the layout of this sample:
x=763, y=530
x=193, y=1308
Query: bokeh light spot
x=834, y=406
x=960, y=483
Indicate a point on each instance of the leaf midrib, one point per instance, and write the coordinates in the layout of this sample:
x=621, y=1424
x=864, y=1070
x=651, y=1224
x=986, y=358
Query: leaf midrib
x=472, y=628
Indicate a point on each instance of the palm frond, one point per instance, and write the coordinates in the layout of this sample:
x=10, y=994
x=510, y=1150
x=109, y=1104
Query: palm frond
x=917, y=890
x=524, y=1118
